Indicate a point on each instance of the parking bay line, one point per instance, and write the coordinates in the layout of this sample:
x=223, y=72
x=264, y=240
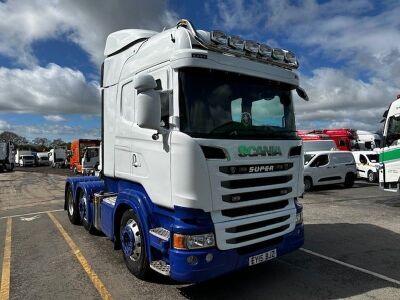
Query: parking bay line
x=377, y=275
x=34, y=213
x=5, y=273
x=98, y=284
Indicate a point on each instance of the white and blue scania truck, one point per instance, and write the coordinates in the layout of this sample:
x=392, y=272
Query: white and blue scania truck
x=201, y=167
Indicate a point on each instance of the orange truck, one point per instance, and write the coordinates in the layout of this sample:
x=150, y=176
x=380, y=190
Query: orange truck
x=78, y=148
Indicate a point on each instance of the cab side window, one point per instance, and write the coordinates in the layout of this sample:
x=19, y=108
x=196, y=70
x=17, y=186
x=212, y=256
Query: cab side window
x=320, y=161
x=164, y=98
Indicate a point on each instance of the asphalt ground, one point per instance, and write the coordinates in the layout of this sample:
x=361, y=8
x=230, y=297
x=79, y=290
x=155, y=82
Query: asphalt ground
x=352, y=250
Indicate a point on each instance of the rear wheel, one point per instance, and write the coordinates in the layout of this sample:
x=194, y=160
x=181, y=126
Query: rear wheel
x=83, y=203
x=349, y=180
x=307, y=184
x=371, y=176
x=72, y=208
x=133, y=245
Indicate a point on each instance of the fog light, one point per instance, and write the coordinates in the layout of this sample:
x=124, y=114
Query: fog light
x=209, y=257
x=192, y=260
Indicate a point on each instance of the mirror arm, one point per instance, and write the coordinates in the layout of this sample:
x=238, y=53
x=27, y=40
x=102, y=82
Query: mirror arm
x=161, y=131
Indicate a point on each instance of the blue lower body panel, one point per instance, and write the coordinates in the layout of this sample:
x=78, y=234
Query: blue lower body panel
x=225, y=261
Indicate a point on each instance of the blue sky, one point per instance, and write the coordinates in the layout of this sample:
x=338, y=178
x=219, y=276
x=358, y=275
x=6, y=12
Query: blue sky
x=49, y=62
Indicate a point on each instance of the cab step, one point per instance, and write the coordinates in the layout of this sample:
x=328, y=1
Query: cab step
x=161, y=233
x=161, y=267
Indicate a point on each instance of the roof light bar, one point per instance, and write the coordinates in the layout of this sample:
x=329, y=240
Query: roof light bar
x=219, y=37
x=255, y=50
x=236, y=42
x=251, y=46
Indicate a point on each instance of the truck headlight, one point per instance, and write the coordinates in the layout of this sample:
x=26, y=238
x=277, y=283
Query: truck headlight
x=190, y=242
x=299, y=218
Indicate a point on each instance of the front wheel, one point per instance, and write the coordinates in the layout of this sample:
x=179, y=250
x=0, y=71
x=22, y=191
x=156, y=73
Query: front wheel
x=349, y=180
x=133, y=245
x=72, y=208
x=371, y=177
x=307, y=184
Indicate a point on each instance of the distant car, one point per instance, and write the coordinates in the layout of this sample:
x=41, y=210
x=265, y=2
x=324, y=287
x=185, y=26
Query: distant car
x=367, y=163
x=26, y=161
x=329, y=167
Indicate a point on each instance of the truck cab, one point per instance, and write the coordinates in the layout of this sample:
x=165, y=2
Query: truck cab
x=389, y=157
x=90, y=160
x=202, y=169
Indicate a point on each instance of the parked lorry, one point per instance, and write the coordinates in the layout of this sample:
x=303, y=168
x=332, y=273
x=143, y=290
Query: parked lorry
x=78, y=149
x=58, y=157
x=24, y=158
x=90, y=160
x=389, y=157
x=7, y=153
x=368, y=140
x=345, y=139
x=42, y=159
x=202, y=169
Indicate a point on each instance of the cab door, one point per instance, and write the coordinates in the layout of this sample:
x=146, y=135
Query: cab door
x=362, y=166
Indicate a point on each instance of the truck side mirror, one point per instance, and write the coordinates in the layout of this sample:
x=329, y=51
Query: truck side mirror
x=302, y=93
x=148, y=103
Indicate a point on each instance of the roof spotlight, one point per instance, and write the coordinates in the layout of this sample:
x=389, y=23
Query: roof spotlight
x=218, y=37
x=290, y=57
x=265, y=50
x=251, y=46
x=236, y=42
x=278, y=54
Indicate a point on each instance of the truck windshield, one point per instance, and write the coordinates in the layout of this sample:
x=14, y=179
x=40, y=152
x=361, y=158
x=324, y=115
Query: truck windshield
x=219, y=104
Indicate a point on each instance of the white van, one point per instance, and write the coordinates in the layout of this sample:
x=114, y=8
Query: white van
x=367, y=163
x=26, y=160
x=329, y=167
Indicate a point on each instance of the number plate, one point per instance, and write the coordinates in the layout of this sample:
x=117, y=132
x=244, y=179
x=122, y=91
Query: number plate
x=257, y=259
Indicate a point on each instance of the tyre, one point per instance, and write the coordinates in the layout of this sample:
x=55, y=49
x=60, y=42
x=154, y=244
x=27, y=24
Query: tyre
x=83, y=203
x=307, y=184
x=133, y=245
x=72, y=208
x=371, y=176
x=349, y=180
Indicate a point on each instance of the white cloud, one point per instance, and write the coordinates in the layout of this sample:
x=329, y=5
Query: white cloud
x=338, y=100
x=87, y=23
x=48, y=90
x=4, y=126
x=54, y=118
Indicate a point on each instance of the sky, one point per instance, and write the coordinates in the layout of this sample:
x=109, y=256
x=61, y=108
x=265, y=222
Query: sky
x=51, y=52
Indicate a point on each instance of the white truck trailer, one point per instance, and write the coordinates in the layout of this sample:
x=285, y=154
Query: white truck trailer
x=7, y=153
x=389, y=157
x=202, y=168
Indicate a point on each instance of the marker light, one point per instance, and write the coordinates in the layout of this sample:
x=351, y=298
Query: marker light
x=251, y=46
x=218, y=37
x=291, y=58
x=278, y=54
x=236, y=42
x=265, y=50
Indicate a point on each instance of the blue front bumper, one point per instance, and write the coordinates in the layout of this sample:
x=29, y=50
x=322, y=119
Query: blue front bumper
x=225, y=261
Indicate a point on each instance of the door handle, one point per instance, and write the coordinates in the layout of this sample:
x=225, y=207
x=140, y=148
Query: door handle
x=135, y=161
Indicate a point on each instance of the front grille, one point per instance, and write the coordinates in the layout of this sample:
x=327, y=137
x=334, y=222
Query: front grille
x=241, y=197
x=257, y=235
x=246, y=183
x=256, y=225
x=254, y=209
x=253, y=169
x=259, y=246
